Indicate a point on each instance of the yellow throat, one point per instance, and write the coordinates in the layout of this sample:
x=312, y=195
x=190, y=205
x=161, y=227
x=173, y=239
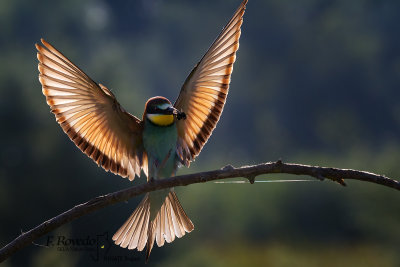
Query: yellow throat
x=161, y=119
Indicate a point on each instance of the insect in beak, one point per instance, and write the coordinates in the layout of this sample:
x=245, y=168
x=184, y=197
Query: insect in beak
x=179, y=114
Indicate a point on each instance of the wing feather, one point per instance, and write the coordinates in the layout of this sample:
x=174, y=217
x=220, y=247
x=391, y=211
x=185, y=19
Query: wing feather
x=204, y=92
x=90, y=114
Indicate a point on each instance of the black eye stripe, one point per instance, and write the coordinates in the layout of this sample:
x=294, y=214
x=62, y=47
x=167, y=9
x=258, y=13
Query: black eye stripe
x=156, y=110
x=153, y=103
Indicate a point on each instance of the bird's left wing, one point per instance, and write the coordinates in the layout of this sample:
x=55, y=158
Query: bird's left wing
x=203, y=94
x=91, y=115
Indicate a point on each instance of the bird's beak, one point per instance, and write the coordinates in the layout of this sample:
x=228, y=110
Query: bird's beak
x=179, y=114
x=171, y=110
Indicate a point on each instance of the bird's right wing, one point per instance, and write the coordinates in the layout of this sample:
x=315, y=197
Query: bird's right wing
x=91, y=115
x=204, y=92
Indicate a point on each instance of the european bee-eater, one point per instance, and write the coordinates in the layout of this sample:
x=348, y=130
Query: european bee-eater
x=167, y=136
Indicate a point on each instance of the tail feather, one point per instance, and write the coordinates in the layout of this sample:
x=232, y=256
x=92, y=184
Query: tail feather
x=134, y=231
x=150, y=240
x=171, y=221
x=119, y=236
x=144, y=232
x=159, y=233
x=169, y=227
x=184, y=220
x=174, y=220
x=138, y=240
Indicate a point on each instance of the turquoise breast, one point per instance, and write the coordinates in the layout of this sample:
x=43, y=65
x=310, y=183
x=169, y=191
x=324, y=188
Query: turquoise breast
x=160, y=145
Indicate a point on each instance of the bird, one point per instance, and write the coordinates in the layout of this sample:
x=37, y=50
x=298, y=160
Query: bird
x=168, y=135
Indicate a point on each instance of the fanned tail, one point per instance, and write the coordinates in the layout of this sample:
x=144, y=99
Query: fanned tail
x=133, y=233
x=171, y=221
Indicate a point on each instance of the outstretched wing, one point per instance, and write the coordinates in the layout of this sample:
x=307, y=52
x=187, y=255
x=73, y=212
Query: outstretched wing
x=203, y=94
x=90, y=115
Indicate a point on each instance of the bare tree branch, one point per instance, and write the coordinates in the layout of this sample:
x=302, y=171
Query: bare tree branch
x=249, y=172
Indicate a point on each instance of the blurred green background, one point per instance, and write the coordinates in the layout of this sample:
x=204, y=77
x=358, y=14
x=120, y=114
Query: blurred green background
x=315, y=82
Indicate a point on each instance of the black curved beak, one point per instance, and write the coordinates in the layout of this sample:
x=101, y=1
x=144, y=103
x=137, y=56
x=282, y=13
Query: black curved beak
x=172, y=111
